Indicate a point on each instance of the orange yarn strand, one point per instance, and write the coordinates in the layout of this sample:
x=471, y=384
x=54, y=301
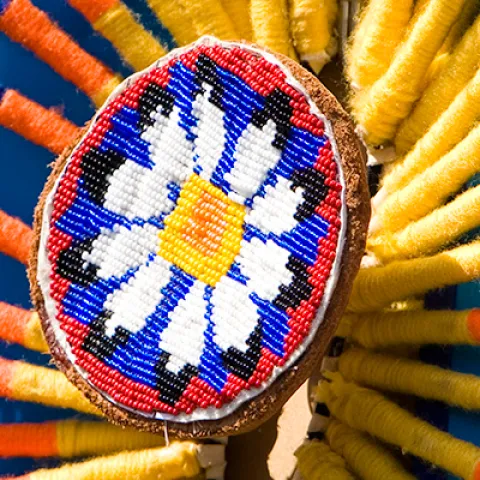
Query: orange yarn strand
x=15, y=237
x=26, y=24
x=93, y=10
x=42, y=126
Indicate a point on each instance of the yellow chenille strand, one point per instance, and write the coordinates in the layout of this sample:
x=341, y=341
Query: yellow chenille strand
x=457, y=120
x=210, y=18
x=49, y=387
x=168, y=463
x=81, y=439
x=406, y=305
x=377, y=287
x=100, y=97
x=174, y=17
x=366, y=457
x=270, y=25
x=411, y=377
x=239, y=13
x=311, y=24
x=316, y=461
x=376, y=330
x=459, y=70
x=431, y=188
x=33, y=335
x=137, y=46
x=432, y=232
x=376, y=37
x=371, y=412
x=391, y=98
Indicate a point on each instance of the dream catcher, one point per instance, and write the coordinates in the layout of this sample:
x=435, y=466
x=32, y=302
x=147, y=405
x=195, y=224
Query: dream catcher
x=197, y=242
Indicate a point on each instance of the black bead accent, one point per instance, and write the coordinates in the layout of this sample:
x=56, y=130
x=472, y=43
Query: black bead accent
x=98, y=343
x=315, y=191
x=277, y=108
x=299, y=289
x=97, y=166
x=153, y=96
x=207, y=72
x=170, y=385
x=243, y=364
x=70, y=264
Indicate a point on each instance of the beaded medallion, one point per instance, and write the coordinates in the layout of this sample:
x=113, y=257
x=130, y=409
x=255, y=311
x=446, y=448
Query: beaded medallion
x=191, y=241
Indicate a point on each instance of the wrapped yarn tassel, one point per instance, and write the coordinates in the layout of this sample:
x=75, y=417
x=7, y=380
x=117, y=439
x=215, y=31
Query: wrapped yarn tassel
x=312, y=23
x=39, y=125
x=380, y=111
x=270, y=25
x=381, y=330
x=71, y=438
x=29, y=383
x=26, y=24
x=239, y=13
x=173, y=15
x=15, y=238
x=461, y=66
x=366, y=457
x=430, y=233
x=411, y=377
x=376, y=37
x=115, y=22
x=179, y=460
x=316, y=461
x=377, y=287
x=371, y=412
x=21, y=326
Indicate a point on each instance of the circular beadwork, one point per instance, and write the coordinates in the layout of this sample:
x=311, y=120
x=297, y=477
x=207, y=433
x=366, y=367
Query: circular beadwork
x=191, y=243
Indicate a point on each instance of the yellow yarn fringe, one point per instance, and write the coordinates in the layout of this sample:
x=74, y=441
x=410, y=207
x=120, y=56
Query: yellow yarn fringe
x=81, y=439
x=431, y=188
x=411, y=377
x=100, y=97
x=138, y=47
x=378, y=330
x=371, y=412
x=239, y=13
x=461, y=66
x=177, y=461
x=270, y=25
x=210, y=18
x=48, y=387
x=33, y=335
x=316, y=461
x=391, y=98
x=457, y=120
x=432, y=232
x=377, y=287
x=311, y=24
x=375, y=39
x=366, y=457
x=174, y=17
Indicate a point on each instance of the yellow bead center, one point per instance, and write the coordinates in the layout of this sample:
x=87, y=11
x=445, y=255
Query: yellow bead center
x=202, y=235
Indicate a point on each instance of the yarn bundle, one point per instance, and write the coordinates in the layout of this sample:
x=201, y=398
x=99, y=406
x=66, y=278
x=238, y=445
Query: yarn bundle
x=414, y=96
x=413, y=77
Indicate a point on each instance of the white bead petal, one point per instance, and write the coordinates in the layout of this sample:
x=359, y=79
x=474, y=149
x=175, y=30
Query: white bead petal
x=234, y=315
x=138, y=298
x=211, y=133
x=274, y=212
x=115, y=252
x=254, y=156
x=184, y=338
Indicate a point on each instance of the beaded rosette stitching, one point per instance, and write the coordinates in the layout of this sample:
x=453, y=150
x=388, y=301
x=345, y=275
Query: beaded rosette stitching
x=191, y=244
